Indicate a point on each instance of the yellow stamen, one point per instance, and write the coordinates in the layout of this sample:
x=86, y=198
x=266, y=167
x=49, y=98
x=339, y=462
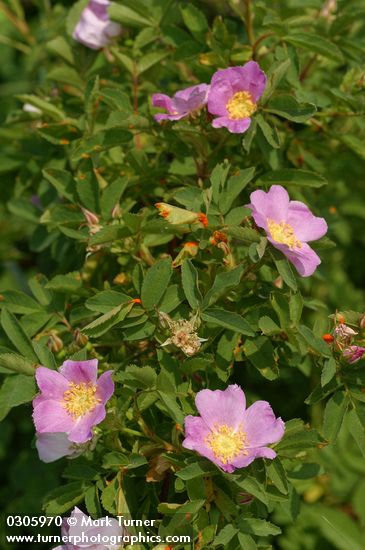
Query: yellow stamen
x=240, y=106
x=80, y=399
x=227, y=443
x=283, y=233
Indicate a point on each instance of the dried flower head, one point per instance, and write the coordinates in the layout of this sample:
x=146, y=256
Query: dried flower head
x=183, y=334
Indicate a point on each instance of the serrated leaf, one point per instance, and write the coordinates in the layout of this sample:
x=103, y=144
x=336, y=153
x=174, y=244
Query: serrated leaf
x=190, y=284
x=155, y=283
x=16, y=390
x=17, y=335
x=229, y=320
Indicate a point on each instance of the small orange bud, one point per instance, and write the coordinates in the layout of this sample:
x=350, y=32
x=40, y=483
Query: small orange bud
x=203, y=219
x=136, y=301
x=191, y=244
x=218, y=237
x=64, y=141
x=332, y=210
x=328, y=338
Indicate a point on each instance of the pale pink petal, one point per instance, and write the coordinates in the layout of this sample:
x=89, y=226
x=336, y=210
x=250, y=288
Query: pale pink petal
x=234, y=126
x=307, y=227
x=196, y=432
x=50, y=416
x=52, y=446
x=105, y=386
x=80, y=371
x=304, y=259
x=163, y=101
x=81, y=430
x=261, y=426
x=51, y=383
x=222, y=407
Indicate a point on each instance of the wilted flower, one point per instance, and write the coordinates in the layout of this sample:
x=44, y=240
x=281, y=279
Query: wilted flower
x=95, y=29
x=233, y=96
x=182, y=104
x=227, y=433
x=81, y=529
x=189, y=250
x=72, y=400
x=353, y=354
x=176, y=215
x=289, y=225
x=183, y=334
x=52, y=446
x=343, y=335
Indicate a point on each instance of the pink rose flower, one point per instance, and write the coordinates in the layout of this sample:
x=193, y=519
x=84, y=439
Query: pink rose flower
x=227, y=433
x=182, y=104
x=94, y=29
x=71, y=401
x=233, y=96
x=289, y=225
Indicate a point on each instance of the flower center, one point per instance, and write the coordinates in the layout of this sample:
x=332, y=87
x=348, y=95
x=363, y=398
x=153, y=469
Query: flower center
x=227, y=443
x=80, y=399
x=240, y=106
x=283, y=233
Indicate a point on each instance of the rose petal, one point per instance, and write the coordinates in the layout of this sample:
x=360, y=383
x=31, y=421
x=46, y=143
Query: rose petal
x=51, y=383
x=222, y=407
x=307, y=227
x=52, y=446
x=50, y=416
x=261, y=425
x=81, y=430
x=80, y=371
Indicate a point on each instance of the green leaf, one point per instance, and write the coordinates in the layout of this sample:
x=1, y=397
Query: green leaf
x=173, y=409
x=190, y=284
x=139, y=377
x=65, y=497
x=250, y=485
x=225, y=535
x=233, y=187
x=107, y=321
x=45, y=106
x=19, y=302
x=316, y=44
x=155, y=283
x=150, y=60
x=288, y=107
x=228, y=319
x=285, y=270
x=17, y=363
x=268, y=326
x=290, y=176
x=106, y=300
x=17, y=335
x=195, y=21
x=317, y=344
x=87, y=186
x=16, y=390
x=333, y=415
x=328, y=371
x=128, y=16
x=269, y=132
x=259, y=527
x=223, y=282
x=197, y=469
x=276, y=473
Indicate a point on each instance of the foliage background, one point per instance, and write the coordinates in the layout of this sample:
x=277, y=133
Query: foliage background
x=96, y=113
